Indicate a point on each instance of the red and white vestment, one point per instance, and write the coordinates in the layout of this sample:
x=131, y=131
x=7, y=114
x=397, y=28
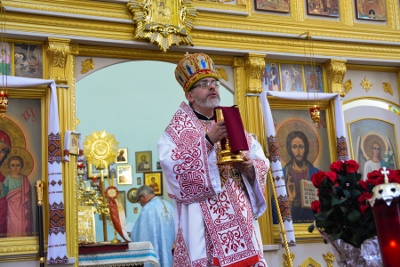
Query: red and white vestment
x=216, y=208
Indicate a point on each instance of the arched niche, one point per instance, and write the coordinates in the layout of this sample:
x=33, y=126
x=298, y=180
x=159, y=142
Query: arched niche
x=134, y=100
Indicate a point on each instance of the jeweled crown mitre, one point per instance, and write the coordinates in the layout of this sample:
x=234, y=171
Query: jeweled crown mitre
x=192, y=68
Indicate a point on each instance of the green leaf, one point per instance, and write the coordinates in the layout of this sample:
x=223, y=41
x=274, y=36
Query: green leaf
x=354, y=216
x=322, y=216
x=337, y=201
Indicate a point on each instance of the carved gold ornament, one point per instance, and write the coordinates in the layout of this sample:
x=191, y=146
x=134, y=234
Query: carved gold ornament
x=222, y=73
x=87, y=64
x=100, y=149
x=86, y=225
x=348, y=85
x=310, y=262
x=387, y=88
x=366, y=84
x=329, y=258
x=164, y=22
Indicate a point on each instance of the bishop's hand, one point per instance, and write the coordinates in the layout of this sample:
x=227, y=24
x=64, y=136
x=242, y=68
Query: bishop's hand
x=217, y=132
x=244, y=167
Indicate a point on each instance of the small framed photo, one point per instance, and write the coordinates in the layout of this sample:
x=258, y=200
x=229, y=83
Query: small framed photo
x=93, y=172
x=371, y=10
x=112, y=170
x=139, y=181
x=271, y=79
x=159, y=166
x=5, y=68
x=74, y=144
x=322, y=8
x=124, y=173
x=143, y=161
x=292, y=77
x=131, y=194
x=122, y=156
x=154, y=180
x=28, y=60
x=275, y=6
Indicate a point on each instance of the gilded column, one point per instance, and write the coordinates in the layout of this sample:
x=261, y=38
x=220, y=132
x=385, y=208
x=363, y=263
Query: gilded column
x=248, y=87
x=346, y=11
x=254, y=65
x=335, y=70
x=61, y=68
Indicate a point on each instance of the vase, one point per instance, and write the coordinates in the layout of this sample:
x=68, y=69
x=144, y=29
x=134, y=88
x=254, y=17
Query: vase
x=346, y=255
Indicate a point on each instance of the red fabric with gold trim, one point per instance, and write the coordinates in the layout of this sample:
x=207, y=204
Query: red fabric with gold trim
x=112, y=194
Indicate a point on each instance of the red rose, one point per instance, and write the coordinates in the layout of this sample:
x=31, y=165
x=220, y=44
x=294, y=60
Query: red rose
x=394, y=176
x=351, y=166
x=364, y=197
x=395, y=179
x=363, y=184
x=332, y=176
x=379, y=180
x=317, y=178
x=337, y=166
x=316, y=206
x=374, y=174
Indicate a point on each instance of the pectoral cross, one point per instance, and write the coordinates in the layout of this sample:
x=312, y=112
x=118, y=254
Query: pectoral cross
x=385, y=172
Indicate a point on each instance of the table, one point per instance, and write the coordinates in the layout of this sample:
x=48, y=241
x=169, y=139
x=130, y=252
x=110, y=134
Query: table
x=137, y=253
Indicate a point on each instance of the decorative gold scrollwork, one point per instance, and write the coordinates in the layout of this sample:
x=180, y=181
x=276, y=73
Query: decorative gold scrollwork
x=164, y=22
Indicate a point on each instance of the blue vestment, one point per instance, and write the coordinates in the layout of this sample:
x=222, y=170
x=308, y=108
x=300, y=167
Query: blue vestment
x=156, y=224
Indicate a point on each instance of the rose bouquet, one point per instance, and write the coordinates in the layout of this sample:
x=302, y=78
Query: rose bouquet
x=342, y=211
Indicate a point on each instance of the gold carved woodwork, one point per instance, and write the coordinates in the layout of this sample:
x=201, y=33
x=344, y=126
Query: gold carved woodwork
x=57, y=52
x=348, y=85
x=163, y=22
x=288, y=259
x=86, y=225
x=310, y=262
x=100, y=149
x=335, y=70
x=222, y=73
x=329, y=258
x=254, y=66
x=387, y=88
x=366, y=84
x=216, y=1
x=87, y=64
x=39, y=192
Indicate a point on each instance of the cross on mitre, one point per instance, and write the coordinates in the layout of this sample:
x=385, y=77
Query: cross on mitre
x=385, y=173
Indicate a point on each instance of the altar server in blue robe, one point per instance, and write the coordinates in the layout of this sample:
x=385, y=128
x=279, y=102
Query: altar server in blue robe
x=155, y=224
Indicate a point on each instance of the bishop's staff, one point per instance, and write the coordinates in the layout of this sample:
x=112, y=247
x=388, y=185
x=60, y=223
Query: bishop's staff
x=39, y=192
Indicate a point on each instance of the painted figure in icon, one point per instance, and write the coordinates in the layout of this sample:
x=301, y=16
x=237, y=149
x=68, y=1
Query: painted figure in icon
x=17, y=189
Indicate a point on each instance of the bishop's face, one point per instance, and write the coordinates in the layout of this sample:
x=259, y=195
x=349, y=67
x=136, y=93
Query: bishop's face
x=204, y=94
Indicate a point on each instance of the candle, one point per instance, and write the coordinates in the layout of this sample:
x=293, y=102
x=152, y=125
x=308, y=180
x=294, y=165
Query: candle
x=386, y=221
